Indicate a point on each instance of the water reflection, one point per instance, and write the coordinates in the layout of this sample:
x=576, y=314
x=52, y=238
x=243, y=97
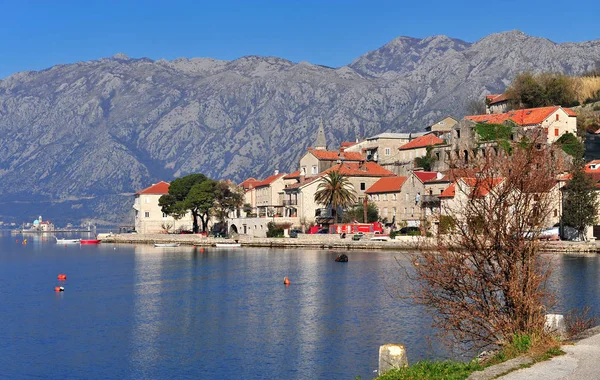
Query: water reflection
x=575, y=280
x=146, y=312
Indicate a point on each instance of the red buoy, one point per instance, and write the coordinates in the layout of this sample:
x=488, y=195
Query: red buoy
x=62, y=276
x=59, y=289
x=286, y=281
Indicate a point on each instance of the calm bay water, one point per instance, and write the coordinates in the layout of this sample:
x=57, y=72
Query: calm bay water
x=156, y=313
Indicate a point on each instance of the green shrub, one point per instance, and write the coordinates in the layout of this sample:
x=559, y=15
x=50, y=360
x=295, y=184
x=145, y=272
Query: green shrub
x=571, y=145
x=273, y=231
x=493, y=132
x=414, y=233
x=447, y=224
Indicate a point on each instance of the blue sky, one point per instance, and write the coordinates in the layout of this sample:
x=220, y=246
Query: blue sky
x=42, y=33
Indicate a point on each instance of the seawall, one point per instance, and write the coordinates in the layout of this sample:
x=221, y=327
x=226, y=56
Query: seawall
x=319, y=241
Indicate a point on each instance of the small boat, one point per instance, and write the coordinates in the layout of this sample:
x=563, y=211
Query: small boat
x=67, y=241
x=89, y=241
x=228, y=245
x=380, y=238
x=166, y=245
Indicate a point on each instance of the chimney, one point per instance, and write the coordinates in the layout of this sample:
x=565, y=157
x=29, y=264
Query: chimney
x=276, y=172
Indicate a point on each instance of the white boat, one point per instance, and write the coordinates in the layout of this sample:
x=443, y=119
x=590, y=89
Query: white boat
x=166, y=245
x=67, y=241
x=228, y=245
x=550, y=234
x=380, y=238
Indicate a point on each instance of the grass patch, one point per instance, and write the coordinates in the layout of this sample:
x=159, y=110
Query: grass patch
x=538, y=347
x=450, y=370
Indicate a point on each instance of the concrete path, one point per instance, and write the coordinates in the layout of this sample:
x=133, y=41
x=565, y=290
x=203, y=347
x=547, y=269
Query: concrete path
x=582, y=361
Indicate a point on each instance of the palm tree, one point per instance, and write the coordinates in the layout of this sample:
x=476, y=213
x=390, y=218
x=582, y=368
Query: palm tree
x=336, y=192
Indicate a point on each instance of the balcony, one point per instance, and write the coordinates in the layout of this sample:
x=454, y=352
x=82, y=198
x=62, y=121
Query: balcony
x=430, y=201
x=290, y=202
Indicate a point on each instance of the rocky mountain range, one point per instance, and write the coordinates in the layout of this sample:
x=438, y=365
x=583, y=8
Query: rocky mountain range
x=78, y=140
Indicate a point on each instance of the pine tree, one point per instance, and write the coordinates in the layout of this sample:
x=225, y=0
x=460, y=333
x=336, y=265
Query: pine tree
x=579, y=202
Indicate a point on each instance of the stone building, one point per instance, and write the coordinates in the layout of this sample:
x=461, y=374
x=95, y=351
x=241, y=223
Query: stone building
x=149, y=218
x=497, y=103
x=465, y=144
x=387, y=194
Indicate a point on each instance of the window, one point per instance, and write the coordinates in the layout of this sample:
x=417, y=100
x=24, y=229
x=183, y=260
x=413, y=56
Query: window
x=147, y=214
x=555, y=131
x=362, y=186
x=557, y=117
x=546, y=130
x=314, y=170
x=555, y=213
x=387, y=151
x=303, y=170
x=394, y=197
x=385, y=197
x=164, y=215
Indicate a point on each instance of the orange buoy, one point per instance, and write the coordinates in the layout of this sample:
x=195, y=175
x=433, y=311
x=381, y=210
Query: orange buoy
x=59, y=289
x=286, y=281
x=62, y=276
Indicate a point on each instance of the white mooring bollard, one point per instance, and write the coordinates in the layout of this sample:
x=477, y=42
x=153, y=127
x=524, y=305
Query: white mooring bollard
x=555, y=323
x=392, y=356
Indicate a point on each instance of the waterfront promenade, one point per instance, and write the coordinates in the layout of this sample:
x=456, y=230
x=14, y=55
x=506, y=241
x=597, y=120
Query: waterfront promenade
x=325, y=241
x=579, y=362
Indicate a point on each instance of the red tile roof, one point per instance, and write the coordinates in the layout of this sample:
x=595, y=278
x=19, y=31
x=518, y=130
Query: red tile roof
x=387, y=185
x=482, y=187
x=158, y=188
x=497, y=98
x=426, y=176
x=363, y=169
x=249, y=183
x=479, y=188
x=303, y=182
x=422, y=142
x=448, y=192
x=347, y=144
x=530, y=116
x=328, y=155
x=293, y=175
x=269, y=180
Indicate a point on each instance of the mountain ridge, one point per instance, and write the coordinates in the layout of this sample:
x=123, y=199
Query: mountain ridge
x=86, y=133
